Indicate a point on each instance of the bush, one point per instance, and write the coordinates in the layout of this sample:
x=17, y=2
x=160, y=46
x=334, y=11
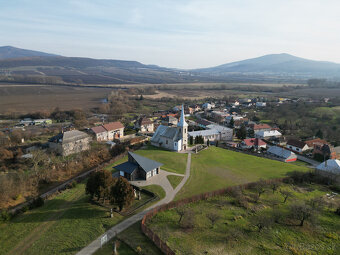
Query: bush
x=338, y=211
x=37, y=202
x=5, y=215
x=188, y=221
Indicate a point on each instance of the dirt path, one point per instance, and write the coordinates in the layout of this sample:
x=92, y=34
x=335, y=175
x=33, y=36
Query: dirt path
x=27, y=242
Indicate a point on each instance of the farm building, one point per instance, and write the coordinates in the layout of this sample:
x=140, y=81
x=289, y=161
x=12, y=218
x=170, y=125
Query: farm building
x=109, y=131
x=282, y=154
x=138, y=167
x=330, y=165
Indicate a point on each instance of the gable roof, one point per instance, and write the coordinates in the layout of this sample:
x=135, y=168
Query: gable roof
x=126, y=167
x=254, y=142
x=261, y=126
x=167, y=132
x=268, y=133
x=280, y=152
x=146, y=164
x=296, y=143
x=330, y=165
x=113, y=126
x=145, y=121
x=310, y=143
x=68, y=136
x=98, y=129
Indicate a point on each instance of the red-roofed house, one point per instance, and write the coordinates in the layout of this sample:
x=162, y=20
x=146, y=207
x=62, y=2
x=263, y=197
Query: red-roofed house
x=100, y=133
x=114, y=130
x=260, y=127
x=255, y=143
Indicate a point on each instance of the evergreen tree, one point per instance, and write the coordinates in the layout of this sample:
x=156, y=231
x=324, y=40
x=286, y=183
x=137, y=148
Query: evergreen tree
x=232, y=122
x=122, y=193
x=191, y=140
x=319, y=134
x=241, y=133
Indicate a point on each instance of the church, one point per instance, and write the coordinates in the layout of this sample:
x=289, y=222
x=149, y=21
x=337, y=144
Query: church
x=172, y=138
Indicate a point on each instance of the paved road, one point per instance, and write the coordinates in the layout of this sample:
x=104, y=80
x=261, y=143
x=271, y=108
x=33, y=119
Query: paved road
x=95, y=245
x=308, y=160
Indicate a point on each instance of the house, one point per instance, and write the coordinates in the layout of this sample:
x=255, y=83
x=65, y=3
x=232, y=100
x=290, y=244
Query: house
x=209, y=134
x=69, y=142
x=268, y=134
x=115, y=130
x=206, y=106
x=330, y=166
x=260, y=127
x=322, y=148
x=253, y=143
x=173, y=138
x=282, y=154
x=203, y=123
x=297, y=146
x=145, y=125
x=226, y=134
x=219, y=116
x=170, y=120
x=138, y=168
x=100, y=133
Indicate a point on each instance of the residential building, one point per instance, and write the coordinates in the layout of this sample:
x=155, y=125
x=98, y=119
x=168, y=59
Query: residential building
x=115, y=130
x=268, y=134
x=169, y=121
x=209, y=134
x=100, y=133
x=330, y=166
x=172, y=138
x=138, y=168
x=282, y=154
x=297, y=146
x=69, y=142
x=226, y=134
x=260, y=127
x=145, y=125
x=261, y=104
x=253, y=143
x=203, y=123
x=207, y=106
x=323, y=148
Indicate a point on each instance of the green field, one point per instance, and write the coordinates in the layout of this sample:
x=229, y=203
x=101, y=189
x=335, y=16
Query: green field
x=216, y=168
x=63, y=225
x=236, y=232
x=174, y=180
x=172, y=161
x=156, y=189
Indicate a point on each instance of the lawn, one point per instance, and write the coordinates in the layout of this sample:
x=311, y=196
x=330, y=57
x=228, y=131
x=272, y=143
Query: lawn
x=123, y=248
x=216, y=168
x=174, y=180
x=156, y=189
x=172, y=161
x=63, y=225
x=236, y=232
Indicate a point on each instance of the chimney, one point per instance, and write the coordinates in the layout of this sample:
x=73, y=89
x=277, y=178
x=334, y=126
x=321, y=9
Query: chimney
x=326, y=163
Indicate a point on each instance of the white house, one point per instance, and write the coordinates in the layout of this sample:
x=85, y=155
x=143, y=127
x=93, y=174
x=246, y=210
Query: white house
x=226, y=134
x=267, y=134
x=209, y=134
x=261, y=104
x=206, y=106
x=297, y=146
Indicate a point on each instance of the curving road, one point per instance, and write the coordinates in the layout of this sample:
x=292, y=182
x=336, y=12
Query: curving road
x=170, y=195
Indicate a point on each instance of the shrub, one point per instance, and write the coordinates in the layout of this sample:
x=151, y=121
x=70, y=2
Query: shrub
x=188, y=221
x=38, y=202
x=5, y=215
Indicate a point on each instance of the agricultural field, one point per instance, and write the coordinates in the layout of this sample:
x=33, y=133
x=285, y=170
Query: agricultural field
x=216, y=168
x=244, y=223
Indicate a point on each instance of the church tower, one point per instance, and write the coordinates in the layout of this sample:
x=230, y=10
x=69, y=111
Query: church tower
x=183, y=129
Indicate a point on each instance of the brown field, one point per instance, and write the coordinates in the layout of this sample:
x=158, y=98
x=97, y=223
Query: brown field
x=32, y=98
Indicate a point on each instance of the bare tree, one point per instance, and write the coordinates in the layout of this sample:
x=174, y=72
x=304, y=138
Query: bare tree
x=301, y=212
x=213, y=217
x=260, y=188
x=262, y=221
x=275, y=186
x=181, y=212
x=286, y=194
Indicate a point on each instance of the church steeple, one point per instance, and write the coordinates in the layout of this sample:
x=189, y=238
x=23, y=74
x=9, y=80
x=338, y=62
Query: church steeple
x=182, y=122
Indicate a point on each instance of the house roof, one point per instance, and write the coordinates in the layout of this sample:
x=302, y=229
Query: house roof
x=126, y=167
x=204, y=133
x=280, y=152
x=268, y=133
x=113, y=126
x=310, y=143
x=261, y=126
x=296, y=143
x=330, y=165
x=218, y=127
x=98, y=129
x=146, y=164
x=68, y=136
x=203, y=122
x=144, y=121
x=254, y=142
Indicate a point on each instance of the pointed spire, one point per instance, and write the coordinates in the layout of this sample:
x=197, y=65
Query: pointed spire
x=182, y=122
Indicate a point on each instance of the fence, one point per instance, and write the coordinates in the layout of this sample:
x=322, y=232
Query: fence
x=204, y=196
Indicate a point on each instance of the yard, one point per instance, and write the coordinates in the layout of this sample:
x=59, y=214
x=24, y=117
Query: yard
x=216, y=168
x=224, y=225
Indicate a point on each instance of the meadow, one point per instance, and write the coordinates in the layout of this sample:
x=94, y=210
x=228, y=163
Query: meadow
x=216, y=168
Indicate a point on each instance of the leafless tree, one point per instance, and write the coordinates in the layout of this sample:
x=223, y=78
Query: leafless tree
x=213, y=217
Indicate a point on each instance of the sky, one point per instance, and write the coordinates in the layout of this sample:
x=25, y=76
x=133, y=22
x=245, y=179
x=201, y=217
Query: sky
x=174, y=33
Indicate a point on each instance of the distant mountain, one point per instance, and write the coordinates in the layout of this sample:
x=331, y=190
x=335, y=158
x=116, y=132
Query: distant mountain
x=8, y=52
x=19, y=65
x=277, y=65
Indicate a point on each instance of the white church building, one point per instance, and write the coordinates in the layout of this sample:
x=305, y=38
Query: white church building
x=172, y=138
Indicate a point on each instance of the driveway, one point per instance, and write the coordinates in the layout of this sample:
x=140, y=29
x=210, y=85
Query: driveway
x=170, y=195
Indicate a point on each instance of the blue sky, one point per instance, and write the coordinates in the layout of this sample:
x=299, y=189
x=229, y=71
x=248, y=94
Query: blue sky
x=176, y=33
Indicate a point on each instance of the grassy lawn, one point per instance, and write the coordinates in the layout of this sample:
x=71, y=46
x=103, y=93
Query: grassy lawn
x=216, y=168
x=110, y=167
x=174, y=180
x=63, y=225
x=158, y=190
x=235, y=230
x=173, y=161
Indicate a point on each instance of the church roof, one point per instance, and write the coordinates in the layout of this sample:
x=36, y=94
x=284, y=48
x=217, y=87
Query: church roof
x=182, y=122
x=167, y=132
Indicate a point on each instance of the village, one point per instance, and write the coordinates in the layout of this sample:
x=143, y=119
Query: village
x=153, y=153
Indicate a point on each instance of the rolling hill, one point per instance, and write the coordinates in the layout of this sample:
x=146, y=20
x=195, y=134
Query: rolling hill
x=19, y=65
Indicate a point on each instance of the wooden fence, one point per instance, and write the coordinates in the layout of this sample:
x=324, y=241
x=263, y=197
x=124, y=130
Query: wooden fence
x=204, y=196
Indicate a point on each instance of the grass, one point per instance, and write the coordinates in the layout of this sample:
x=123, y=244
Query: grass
x=175, y=180
x=120, y=161
x=134, y=237
x=216, y=168
x=63, y=225
x=235, y=231
x=172, y=161
x=156, y=189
